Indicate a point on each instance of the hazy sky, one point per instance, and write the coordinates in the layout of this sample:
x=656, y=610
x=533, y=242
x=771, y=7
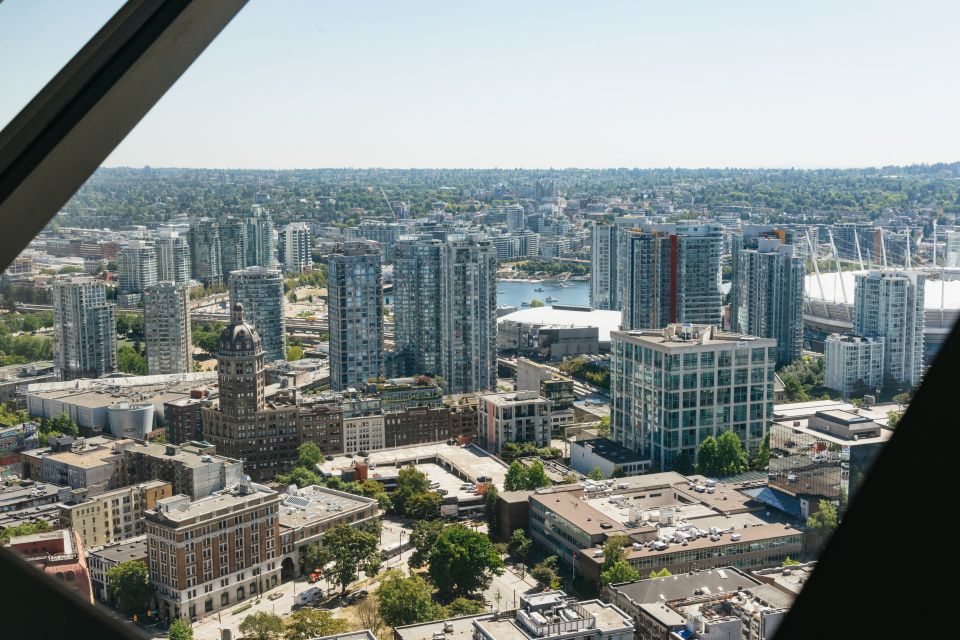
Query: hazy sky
x=523, y=83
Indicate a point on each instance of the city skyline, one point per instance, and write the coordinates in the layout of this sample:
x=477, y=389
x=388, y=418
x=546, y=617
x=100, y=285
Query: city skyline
x=538, y=86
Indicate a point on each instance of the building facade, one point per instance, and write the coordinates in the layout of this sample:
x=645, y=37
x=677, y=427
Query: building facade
x=260, y=243
x=214, y=552
x=84, y=330
x=260, y=291
x=468, y=301
x=137, y=267
x=233, y=245
x=205, y=252
x=852, y=364
x=296, y=248
x=889, y=305
x=767, y=293
x=173, y=258
x=416, y=304
x=519, y=416
x=670, y=389
x=672, y=274
x=166, y=328
x=604, y=267
x=355, y=313
x=113, y=516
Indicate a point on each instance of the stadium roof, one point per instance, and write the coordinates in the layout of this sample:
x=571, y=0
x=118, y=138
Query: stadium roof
x=605, y=321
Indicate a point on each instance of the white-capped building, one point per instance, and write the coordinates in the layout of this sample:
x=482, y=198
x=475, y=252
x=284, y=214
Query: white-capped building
x=853, y=364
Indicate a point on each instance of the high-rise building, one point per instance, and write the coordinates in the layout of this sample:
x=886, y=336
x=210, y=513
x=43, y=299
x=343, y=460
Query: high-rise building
x=672, y=388
x=852, y=364
x=385, y=234
x=545, y=189
x=260, y=245
x=767, y=292
x=173, y=258
x=242, y=423
x=952, y=249
x=355, y=313
x=84, y=329
x=137, y=267
x=517, y=416
x=233, y=245
x=672, y=274
x=604, y=267
x=297, y=257
x=889, y=305
x=468, y=320
x=416, y=304
x=260, y=291
x=205, y=251
x=166, y=328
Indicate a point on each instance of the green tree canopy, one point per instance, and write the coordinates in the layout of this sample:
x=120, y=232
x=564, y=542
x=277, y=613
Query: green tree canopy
x=824, y=521
x=406, y=600
x=424, y=506
x=520, y=544
x=130, y=586
x=261, y=626
x=463, y=561
x=314, y=623
x=663, y=573
x=619, y=571
x=463, y=607
x=613, y=549
x=308, y=455
x=180, y=629
x=490, y=495
x=521, y=477
x=595, y=474
x=545, y=573
x=350, y=550
x=423, y=537
x=410, y=482
x=723, y=456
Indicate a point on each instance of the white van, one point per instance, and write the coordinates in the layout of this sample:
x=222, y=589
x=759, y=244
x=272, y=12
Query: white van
x=308, y=595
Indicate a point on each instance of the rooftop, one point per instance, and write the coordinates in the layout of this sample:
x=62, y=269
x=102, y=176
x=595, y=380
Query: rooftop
x=313, y=504
x=514, y=397
x=554, y=614
x=179, y=510
x=685, y=585
x=613, y=451
x=686, y=336
x=132, y=549
x=802, y=426
x=790, y=579
x=459, y=628
x=605, y=321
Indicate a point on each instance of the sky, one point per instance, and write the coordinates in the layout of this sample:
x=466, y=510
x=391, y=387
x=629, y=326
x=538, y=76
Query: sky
x=534, y=84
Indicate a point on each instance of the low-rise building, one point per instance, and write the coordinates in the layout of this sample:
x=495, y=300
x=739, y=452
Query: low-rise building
x=77, y=463
x=554, y=615
x=611, y=458
x=112, y=516
x=101, y=560
x=307, y=513
x=60, y=555
x=517, y=416
x=823, y=457
x=213, y=552
x=184, y=417
x=14, y=440
x=670, y=521
x=193, y=468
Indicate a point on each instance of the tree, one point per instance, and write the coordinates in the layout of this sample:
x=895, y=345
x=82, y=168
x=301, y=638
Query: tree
x=62, y=424
x=308, y=455
x=160, y=438
x=596, y=474
x=463, y=561
x=424, y=506
x=261, y=626
x=130, y=586
x=545, y=573
x=314, y=623
x=520, y=544
x=570, y=478
x=129, y=360
x=294, y=353
x=463, y=607
x=683, y=463
x=515, y=477
x=604, y=429
x=824, y=521
x=762, y=458
x=180, y=629
x=613, y=549
x=368, y=614
x=351, y=551
x=25, y=529
x=410, y=482
x=537, y=476
x=406, y=600
x=789, y=562
x=663, y=573
x=521, y=477
x=299, y=476
x=536, y=303
x=619, y=571
x=893, y=418
x=490, y=495
x=723, y=456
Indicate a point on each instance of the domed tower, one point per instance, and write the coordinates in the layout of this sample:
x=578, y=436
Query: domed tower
x=240, y=368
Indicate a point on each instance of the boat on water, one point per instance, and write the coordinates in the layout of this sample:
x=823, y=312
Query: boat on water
x=538, y=289
x=551, y=299
x=524, y=304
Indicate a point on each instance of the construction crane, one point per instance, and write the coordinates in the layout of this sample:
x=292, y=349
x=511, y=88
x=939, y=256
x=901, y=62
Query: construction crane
x=387, y=200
